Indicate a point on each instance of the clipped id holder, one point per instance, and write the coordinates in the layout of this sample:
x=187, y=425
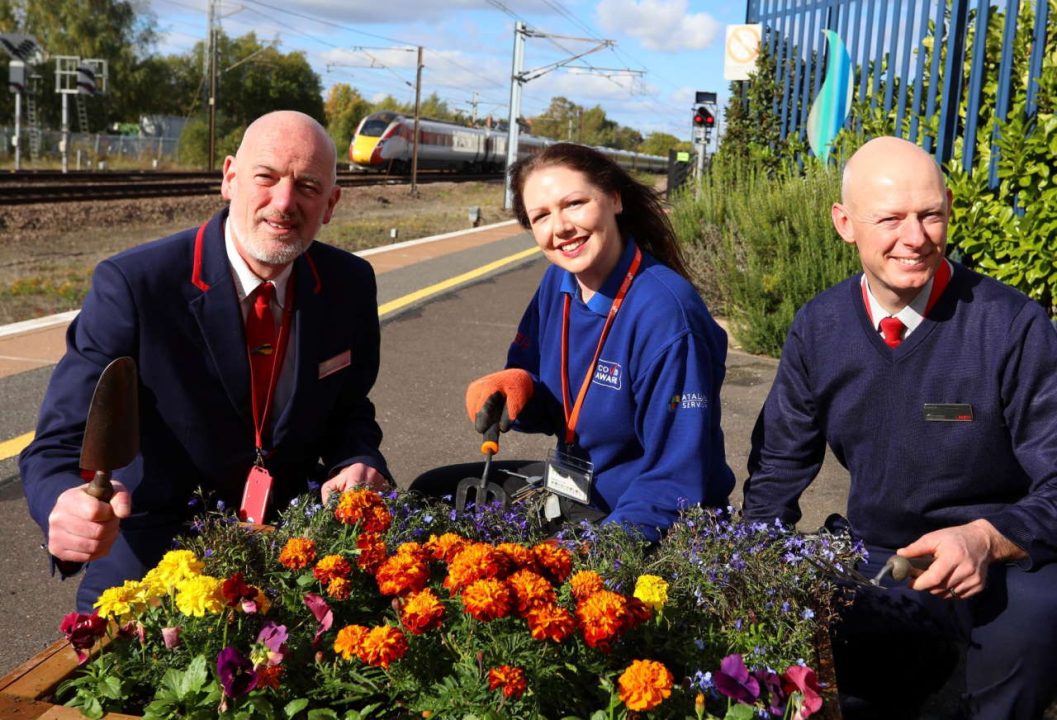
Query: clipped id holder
x=569, y=476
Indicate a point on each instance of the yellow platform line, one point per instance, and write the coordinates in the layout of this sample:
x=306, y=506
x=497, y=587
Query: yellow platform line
x=11, y=448
x=402, y=302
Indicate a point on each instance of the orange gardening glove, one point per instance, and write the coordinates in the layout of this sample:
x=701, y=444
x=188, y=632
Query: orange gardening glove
x=498, y=398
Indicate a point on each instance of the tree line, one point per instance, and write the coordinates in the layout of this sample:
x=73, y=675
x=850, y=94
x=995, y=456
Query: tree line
x=255, y=77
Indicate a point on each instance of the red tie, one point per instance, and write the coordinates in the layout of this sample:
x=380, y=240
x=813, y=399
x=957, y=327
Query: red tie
x=892, y=328
x=260, y=341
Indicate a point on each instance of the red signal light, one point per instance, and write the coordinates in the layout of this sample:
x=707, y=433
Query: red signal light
x=703, y=117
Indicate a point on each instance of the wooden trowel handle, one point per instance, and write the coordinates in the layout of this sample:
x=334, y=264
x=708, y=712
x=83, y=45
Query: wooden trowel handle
x=100, y=487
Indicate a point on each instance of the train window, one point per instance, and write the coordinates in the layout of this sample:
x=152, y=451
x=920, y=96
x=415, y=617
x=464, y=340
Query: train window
x=374, y=128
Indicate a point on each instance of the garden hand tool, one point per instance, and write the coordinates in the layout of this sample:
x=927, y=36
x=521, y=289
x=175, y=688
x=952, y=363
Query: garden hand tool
x=498, y=398
x=897, y=566
x=481, y=491
x=111, y=431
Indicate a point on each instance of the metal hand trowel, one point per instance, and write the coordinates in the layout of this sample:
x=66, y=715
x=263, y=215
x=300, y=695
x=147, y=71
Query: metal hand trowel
x=111, y=432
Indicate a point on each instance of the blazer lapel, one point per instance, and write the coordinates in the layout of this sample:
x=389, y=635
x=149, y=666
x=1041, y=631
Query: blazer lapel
x=308, y=329
x=219, y=318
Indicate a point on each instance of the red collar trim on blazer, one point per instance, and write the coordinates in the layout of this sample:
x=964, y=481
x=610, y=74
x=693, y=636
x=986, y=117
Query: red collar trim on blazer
x=196, y=271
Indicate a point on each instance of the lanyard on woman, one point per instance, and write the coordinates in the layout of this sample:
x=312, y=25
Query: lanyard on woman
x=260, y=415
x=573, y=416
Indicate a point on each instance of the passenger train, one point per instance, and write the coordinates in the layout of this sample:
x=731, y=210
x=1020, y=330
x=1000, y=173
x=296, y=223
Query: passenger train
x=383, y=142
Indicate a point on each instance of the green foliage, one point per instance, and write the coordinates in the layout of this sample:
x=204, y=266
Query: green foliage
x=752, y=131
x=565, y=120
x=767, y=246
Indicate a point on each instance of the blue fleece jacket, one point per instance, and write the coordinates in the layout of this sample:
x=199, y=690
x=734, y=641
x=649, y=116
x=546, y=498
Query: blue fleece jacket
x=986, y=352
x=650, y=419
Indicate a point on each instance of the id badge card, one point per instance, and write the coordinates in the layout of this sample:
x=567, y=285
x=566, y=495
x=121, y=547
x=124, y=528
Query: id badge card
x=569, y=476
x=256, y=495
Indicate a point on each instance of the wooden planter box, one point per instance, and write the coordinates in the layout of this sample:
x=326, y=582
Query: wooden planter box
x=25, y=691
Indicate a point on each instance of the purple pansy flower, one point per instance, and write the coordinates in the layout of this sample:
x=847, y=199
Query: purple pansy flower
x=235, y=672
x=733, y=680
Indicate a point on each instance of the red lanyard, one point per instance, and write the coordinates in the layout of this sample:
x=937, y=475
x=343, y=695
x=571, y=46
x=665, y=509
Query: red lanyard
x=571, y=418
x=939, y=284
x=260, y=415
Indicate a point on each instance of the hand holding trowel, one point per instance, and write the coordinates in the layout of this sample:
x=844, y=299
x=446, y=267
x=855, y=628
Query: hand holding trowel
x=111, y=432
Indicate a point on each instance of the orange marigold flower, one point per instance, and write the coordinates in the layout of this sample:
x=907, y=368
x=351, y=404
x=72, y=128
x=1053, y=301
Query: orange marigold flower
x=445, y=547
x=530, y=590
x=372, y=552
x=269, y=677
x=402, y=573
x=550, y=622
x=488, y=599
x=476, y=561
x=347, y=643
x=382, y=646
x=518, y=555
x=339, y=588
x=510, y=680
x=363, y=507
x=602, y=617
x=330, y=567
x=422, y=611
x=413, y=549
x=644, y=685
x=586, y=583
x=298, y=553
x=555, y=560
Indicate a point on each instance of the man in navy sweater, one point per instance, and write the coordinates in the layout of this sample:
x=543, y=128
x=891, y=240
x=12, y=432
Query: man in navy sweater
x=936, y=388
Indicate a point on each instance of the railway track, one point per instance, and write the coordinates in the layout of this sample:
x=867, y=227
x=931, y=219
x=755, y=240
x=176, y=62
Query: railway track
x=56, y=187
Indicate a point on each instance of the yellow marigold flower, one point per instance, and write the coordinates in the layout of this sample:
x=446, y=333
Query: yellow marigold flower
x=176, y=566
x=330, y=567
x=401, y=574
x=556, y=561
x=509, y=680
x=119, y=602
x=347, y=643
x=531, y=590
x=586, y=583
x=445, y=547
x=602, y=617
x=644, y=685
x=476, y=561
x=423, y=611
x=652, y=590
x=550, y=622
x=488, y=599
x=298, y=553
x=382, y=646
x=339, y=588
x=200, y=595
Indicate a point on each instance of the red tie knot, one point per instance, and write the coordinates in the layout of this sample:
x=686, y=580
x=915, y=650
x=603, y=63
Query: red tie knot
x=264, y=294
x=892, y=329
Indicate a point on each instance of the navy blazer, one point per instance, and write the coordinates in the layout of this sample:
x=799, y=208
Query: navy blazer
x=172, y=306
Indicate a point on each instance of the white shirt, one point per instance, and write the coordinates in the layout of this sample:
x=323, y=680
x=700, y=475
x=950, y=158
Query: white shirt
x=911, y=316
x=246, y=281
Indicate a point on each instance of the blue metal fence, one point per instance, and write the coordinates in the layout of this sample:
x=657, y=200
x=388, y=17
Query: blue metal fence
x=888, y=42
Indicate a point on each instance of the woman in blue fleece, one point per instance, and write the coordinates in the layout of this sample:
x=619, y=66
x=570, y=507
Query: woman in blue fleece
x=639, y=433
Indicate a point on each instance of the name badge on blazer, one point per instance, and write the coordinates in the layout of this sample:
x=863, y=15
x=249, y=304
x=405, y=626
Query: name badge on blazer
x=948, y=412
x=339, y=362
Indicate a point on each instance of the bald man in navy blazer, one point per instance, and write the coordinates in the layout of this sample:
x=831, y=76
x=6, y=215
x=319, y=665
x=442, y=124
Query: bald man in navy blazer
x=178, y=306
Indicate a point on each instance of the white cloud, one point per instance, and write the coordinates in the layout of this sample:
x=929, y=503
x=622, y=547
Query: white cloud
x=660, y=25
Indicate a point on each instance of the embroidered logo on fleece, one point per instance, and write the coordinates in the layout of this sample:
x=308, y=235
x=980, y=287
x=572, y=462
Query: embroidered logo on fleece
x=687, y=401
x=608, y=374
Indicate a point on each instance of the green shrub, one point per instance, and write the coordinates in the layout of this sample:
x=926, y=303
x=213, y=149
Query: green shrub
x=763, y=246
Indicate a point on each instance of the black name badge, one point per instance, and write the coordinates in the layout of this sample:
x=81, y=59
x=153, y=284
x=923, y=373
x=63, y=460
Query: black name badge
x=948, y=412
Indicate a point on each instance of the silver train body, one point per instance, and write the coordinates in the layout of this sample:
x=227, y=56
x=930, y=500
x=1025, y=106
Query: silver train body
x=383, y=142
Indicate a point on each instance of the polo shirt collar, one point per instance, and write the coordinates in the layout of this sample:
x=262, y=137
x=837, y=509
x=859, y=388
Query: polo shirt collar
x=602, y=300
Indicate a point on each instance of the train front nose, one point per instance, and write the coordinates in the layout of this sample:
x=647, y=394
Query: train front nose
x=365, y=151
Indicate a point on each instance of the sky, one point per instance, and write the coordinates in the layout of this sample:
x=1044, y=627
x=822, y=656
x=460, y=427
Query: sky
x=672, y=47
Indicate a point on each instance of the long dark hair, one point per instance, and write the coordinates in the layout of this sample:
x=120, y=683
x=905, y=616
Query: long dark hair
x=643, y=216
